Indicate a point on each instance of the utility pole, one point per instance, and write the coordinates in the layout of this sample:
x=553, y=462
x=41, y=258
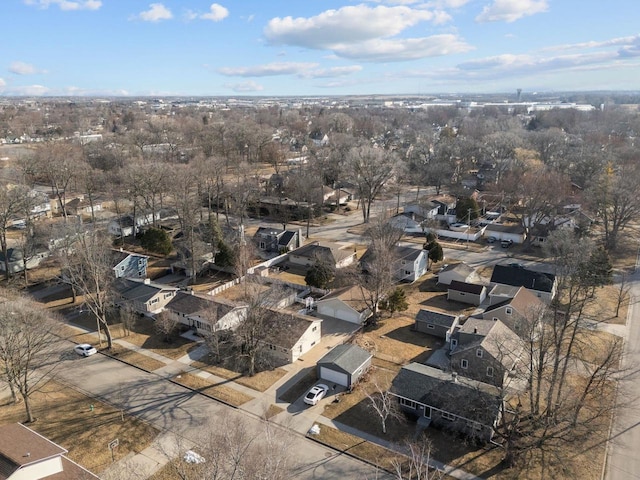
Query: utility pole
x=468, y=225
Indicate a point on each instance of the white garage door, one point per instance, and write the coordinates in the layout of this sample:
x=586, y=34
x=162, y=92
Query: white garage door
x=332, y=376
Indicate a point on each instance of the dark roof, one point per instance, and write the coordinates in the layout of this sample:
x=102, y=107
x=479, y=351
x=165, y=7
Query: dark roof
x=521, y=277
x=190, y=304
x=346, y=358
x=466, y=287
x=407, y=253
x=496, y=227
x=268, y=231
x=436, y=318
x=120, y=255
x=286, y=237
x=461, y=396
x=139, y=291
x=326, y=251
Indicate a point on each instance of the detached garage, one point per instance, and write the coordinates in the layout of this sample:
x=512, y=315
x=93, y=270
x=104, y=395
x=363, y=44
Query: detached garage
x=344, y=365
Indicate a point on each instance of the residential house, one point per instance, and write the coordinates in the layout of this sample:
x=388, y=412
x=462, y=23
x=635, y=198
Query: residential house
x=471, y=293
x=517, y=312
x=514, y=232
x=409, y=223
x=129, y=265
x=541, y=284
x=331, y=196
x=16, y=259
x=446, y=208
x=409, y=263
x=143, y=296
x=290, y=335
x=330, y=253
x=204, y=314
x=501, y=293
x=487, y=351
x=438, y=324
x=82, y=206
x=423, y=209
x=123, y=226
x=460, y=272
x=346, y=303
x=448, y=401
x=274, y=240
x=27, y=455
x=344, y=365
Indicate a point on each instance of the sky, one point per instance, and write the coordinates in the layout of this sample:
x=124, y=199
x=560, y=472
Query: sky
x=316, y=47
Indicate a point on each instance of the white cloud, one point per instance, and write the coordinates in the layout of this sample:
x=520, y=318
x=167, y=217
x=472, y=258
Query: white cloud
x=216, y=13
x=245, y=87
x=619, y=41
x=402, y=49
x=299, y=69
x=511, y=10
x=67, y=4
x=28, y=90
x=22, y=68
x=156, y=13
x=267, y=69
x=347, y=25
x=2, y=82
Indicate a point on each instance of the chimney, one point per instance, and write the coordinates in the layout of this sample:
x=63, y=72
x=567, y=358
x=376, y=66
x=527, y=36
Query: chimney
x=147, y=281
x=454, y=376
x=475, y=329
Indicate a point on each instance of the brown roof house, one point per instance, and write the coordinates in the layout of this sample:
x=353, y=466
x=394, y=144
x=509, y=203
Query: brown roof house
x=330, y=253
x=205, y=314
x=517, y=312
x=27, y=455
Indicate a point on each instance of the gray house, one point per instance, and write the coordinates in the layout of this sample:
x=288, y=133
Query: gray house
x=464, y=292
x=542, y=285
x=344, y=365
x=205, y=314
x=129, y=265
x=274, y=240
x=448, y=401
x=435, y=323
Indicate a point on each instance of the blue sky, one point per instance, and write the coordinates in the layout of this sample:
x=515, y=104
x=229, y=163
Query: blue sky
x=316, y=47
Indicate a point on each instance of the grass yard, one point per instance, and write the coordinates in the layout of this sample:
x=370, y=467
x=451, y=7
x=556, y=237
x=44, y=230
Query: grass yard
x=300, y=387
x=64, y=416
x=221, y=392
x=260, y=382
x=393, y=340
x=134, y=358
x=356, y=446
x=603, y=306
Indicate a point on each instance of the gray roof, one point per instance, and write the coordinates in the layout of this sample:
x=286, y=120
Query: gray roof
x=190, y=304
x=435, y=318
x=466, y=287
x=139, y=291
x=404, y=252
x=345, y=357
x=461, y=396
x=461, y=268
x=284, y=329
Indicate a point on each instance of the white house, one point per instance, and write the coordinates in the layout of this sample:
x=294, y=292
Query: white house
x=290, y=336
x=346, y=303
x=144, y=297
x=204, y=314
x=458, y=271
x=514, y=232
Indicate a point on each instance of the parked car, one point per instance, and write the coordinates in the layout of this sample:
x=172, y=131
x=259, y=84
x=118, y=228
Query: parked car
x=491, y=239
x=84, y=349
x=316, y=394
x=506, y=243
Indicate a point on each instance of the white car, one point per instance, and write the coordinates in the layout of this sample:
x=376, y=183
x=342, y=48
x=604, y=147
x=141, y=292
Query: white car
x=84, y=349
x=316, y=394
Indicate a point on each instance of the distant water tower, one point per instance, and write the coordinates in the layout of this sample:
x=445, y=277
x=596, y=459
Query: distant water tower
x=519, y=93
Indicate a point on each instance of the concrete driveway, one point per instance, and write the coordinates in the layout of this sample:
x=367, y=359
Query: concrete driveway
x=180, y=411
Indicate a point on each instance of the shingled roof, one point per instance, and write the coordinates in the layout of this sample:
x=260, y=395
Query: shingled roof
x=436, y=318
x=517, y=276
x=346, y=357
x=460, y=396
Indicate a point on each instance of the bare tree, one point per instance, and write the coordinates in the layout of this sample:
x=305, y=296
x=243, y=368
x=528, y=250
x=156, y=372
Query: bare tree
x=623, y=292
x=87, y=261
x=369, y=168
x=165, y=324
x=14, y=204
x=384, y=404
x=28, y=353
x=415, y=465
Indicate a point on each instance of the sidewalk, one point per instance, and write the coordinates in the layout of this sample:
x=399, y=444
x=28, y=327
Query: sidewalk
x=295, y=416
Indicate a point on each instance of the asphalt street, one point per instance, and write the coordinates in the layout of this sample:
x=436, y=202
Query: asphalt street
x=172, y=408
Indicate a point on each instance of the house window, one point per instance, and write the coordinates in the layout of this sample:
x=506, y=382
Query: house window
x=479, y=353
x=489, y=371
x=508, y=310
x=407, y=403
x=430, y=326
x=464, y=363
x=407, y=272
x=461, y=294
x=403, y=262
x=314, y=329
x=140, y=262
x=495, y=319
x=262, y=245
x=454, y=343
x=448, y=416
x=122, y=268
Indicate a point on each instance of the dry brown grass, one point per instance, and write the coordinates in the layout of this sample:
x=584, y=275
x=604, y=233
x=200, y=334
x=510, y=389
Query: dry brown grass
x=356, y=446
x=261, y=381
x=305, y=383
x=64, y=416
x=272, y=411
x=134, y=358
x=603, y=306
x=393, y=340
x=221, y=392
